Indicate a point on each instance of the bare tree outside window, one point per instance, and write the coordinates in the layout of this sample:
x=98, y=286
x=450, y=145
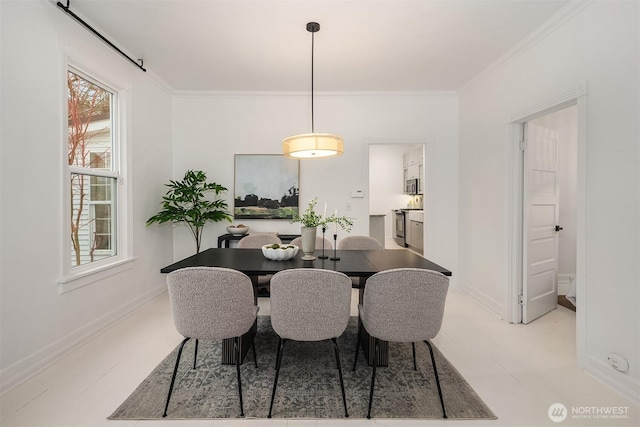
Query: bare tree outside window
x=92, y=181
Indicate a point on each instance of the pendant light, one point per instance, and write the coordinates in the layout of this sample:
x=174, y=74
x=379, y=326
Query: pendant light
x=312, y=145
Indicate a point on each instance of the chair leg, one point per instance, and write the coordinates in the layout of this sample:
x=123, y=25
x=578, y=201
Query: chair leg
x=373, y=376
x=435, y=371
x=413, y=347
x=236, y=348
x=255, y=356
x=173, y=377
x=195, y=355
x=344, y=396
x=275, y=381
x=277, y=356
x=355, y=359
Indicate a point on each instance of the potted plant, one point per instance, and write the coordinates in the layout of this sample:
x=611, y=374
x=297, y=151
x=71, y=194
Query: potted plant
x=186, y=202
x=310, y=221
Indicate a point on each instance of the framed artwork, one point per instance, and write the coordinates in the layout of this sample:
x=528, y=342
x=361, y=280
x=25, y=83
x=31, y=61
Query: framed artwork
x=265, y=186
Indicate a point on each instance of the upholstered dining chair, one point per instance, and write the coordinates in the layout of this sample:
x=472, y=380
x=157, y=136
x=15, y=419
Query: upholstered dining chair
x=327, y=243
x=359, y=242
x=211, y=303
x=309, y=305
x=257, y=241
x=364, y=243
x=403, y=305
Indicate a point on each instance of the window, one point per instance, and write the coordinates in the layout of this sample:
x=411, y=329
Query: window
x=93, y=172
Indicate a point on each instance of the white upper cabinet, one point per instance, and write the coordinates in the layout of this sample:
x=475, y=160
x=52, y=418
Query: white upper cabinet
x=413, y=165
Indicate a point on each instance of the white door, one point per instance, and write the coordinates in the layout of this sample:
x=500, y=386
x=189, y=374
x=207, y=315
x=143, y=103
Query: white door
x=541, y=208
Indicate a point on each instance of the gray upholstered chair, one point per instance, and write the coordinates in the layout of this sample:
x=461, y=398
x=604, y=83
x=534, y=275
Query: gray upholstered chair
x=359, y=242
x=309, y=304
x=257, y=240
x=211, y=303
x=364, y=243
x=403, y=305
x=327, y=243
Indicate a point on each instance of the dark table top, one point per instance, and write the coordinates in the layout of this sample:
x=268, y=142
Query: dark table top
x=352, y=262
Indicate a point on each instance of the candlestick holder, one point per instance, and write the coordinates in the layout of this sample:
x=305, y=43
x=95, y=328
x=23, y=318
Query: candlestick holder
x=323, y=256
x=335, y=247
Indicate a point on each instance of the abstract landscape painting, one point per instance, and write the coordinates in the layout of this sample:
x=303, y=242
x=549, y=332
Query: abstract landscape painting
x=266, y=186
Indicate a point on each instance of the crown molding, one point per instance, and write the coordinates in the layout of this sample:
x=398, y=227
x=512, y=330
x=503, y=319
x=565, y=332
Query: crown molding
x=566, y=13
x=297, y=94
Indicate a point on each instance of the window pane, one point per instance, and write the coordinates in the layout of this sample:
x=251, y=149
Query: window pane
x=90, y=129
x=100, y=188
x=92, y=222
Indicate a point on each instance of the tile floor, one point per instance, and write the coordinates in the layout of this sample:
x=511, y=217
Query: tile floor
x=518, y=370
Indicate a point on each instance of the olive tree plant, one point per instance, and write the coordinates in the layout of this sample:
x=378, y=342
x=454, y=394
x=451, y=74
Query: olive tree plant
x=186, y=202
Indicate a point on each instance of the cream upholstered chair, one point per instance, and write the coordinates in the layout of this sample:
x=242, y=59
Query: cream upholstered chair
x=309, y=304
x=364, y=243
x=258, y=240
x=359, y=242
x=403, y=305
x=327, y=243
x=211, y=303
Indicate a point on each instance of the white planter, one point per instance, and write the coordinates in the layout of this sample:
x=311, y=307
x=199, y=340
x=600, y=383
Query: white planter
x=308, y=242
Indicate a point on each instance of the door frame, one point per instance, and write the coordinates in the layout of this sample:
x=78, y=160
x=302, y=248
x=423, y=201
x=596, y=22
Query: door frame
x=515, y=209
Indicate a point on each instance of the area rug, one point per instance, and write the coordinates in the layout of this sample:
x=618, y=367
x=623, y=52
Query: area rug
x=308, y=386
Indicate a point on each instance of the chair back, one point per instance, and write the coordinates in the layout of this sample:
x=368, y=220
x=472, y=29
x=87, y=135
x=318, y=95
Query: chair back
x=359, y=242
x=404, y=304
x=309, y=304
x=211, y=303
x=327, y=243
x=258, y=240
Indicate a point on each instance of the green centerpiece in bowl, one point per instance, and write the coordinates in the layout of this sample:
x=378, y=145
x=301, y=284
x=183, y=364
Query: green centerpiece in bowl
x=278, y=252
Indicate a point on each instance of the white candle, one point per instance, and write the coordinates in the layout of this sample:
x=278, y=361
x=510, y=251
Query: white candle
x=335, y=213
x=325, y=211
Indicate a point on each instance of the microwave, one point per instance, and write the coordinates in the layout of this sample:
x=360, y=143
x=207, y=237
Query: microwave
x=411, y=186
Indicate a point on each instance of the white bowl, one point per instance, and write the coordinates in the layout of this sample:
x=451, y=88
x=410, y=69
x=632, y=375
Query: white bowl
x=282, y=253
x=237, y=231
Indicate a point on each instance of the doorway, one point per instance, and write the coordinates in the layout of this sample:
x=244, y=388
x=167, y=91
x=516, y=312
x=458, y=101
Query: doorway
x=577, y=97
x=549, y=167
x=391, y=165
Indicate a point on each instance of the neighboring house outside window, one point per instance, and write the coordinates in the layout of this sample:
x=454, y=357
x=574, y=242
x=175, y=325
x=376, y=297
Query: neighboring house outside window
x=93, y=170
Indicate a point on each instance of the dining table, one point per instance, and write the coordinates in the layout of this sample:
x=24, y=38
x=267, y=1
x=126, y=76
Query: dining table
x=353, y=263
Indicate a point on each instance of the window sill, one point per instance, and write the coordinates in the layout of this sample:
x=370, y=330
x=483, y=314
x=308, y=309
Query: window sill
x=87, y=277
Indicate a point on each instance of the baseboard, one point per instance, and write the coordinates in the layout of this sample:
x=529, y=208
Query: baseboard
x=564, y=283
x=482, y=300
x=20, y=371
x=620, y=382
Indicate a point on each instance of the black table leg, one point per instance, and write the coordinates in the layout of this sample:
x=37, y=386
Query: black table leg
x=368, y=344
x=228, y=353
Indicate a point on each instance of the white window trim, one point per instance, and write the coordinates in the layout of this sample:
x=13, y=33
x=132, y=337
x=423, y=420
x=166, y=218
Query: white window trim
x=77, y=277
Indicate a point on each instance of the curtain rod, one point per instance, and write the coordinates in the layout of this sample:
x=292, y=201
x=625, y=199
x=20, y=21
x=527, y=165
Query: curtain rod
x=90, y=28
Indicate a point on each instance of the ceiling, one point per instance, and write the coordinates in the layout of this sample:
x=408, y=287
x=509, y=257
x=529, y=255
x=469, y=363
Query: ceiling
x=263, y=45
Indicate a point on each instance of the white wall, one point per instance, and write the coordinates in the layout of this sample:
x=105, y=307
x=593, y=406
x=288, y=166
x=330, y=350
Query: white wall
x=565, y=122
x=208, y=129
x=38, y=324
x=599, y=47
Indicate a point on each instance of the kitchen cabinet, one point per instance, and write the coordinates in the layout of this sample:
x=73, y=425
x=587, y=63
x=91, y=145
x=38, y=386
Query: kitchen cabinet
x=416, y=235
x=376, y=227
x=413, y=165
x=415, y=230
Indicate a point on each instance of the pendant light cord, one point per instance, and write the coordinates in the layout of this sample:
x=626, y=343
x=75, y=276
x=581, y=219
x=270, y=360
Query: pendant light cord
x=312, y=44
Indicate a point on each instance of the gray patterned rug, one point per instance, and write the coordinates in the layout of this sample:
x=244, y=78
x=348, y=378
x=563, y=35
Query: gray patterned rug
x=308, y=386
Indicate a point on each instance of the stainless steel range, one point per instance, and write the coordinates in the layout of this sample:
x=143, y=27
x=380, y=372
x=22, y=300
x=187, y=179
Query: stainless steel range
x=399, y=228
